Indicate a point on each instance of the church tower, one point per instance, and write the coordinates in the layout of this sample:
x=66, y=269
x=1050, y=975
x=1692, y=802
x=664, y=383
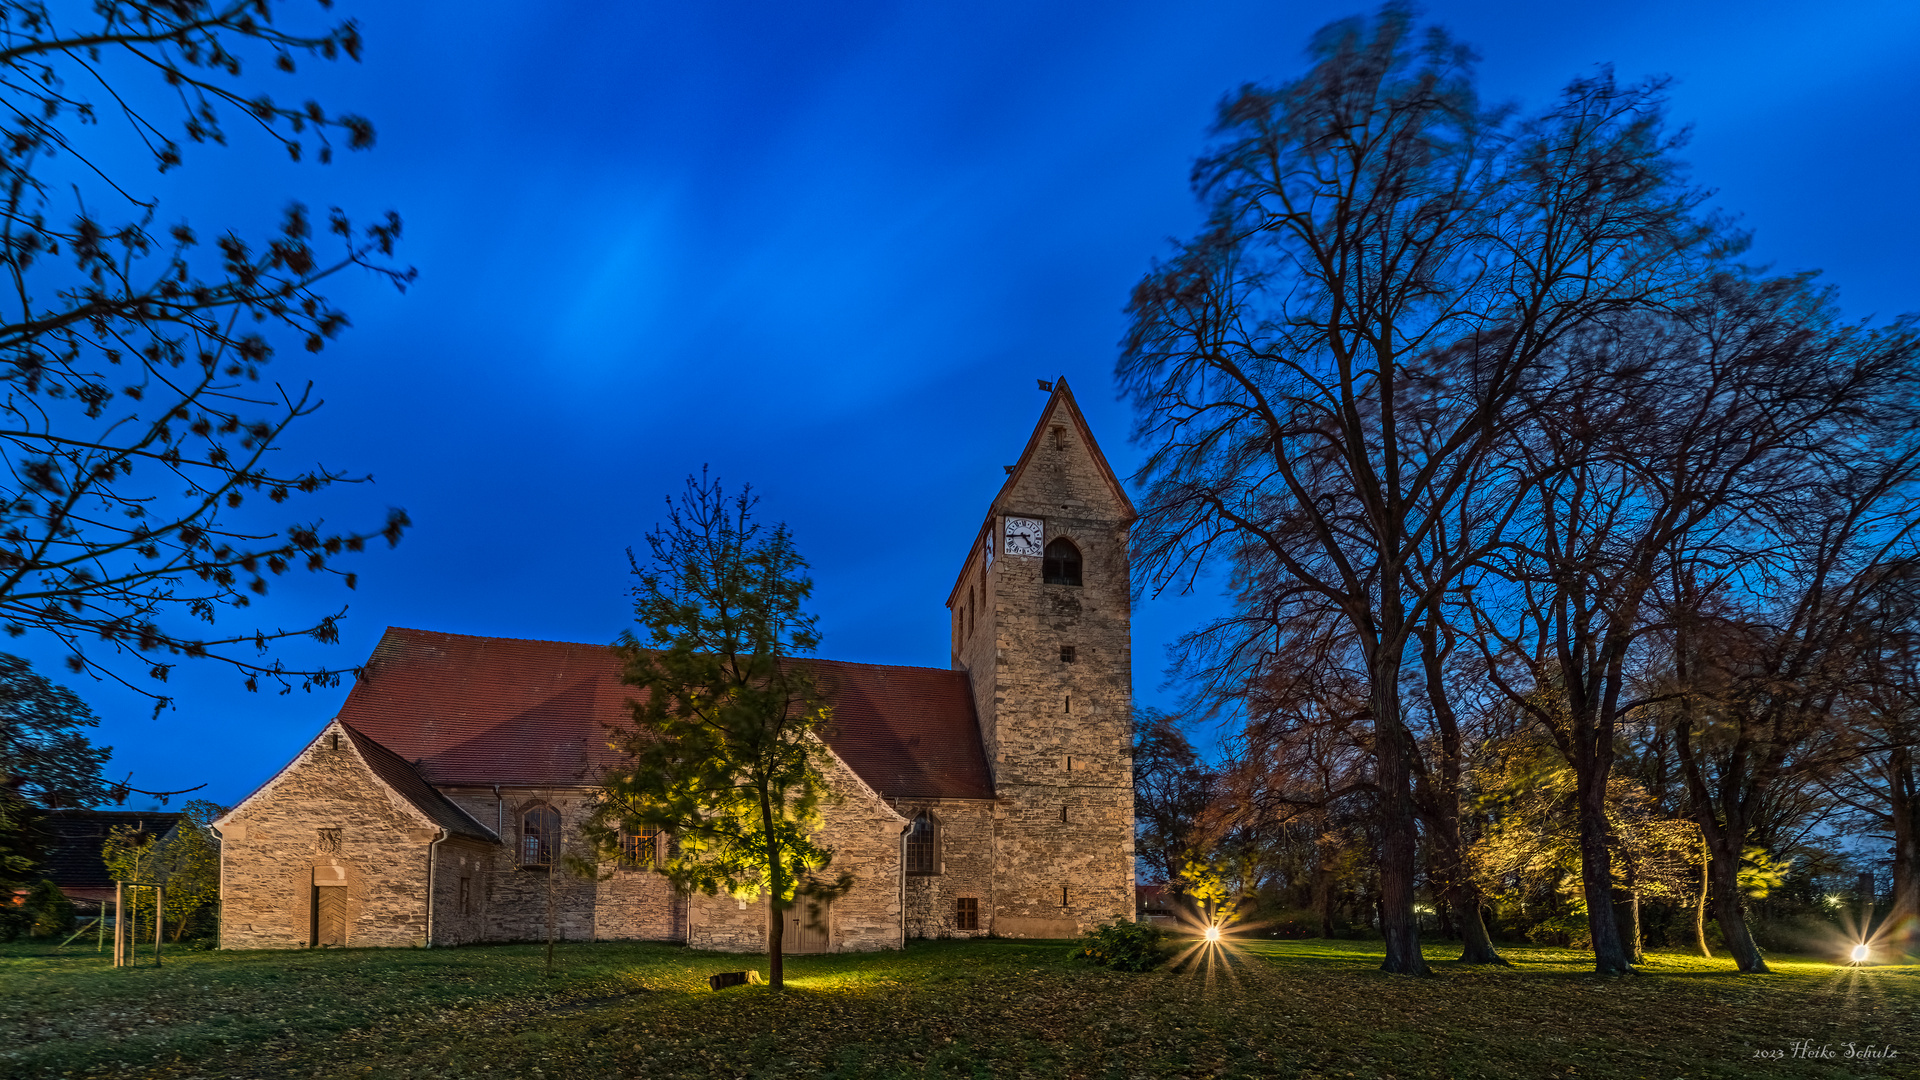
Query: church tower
x=1040, y=622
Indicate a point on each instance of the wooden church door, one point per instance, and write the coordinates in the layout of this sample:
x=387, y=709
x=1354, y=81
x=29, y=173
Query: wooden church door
x=806, y=929
x=329, y=915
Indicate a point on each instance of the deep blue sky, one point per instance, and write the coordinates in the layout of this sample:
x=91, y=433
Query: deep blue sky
x=828, y=249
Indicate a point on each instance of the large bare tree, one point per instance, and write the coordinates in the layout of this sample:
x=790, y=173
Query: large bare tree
x=1319, y=374
x=1721, y=463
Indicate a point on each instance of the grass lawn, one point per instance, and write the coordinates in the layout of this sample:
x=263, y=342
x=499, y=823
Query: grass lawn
x=943, y=1009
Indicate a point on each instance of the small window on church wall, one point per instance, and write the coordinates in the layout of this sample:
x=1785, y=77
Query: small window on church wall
x=466, y=896
x=923, y=845
x=1061, y=563
x=1066, y=654
x=966, y=913
x=639, y=850
x=539, y=836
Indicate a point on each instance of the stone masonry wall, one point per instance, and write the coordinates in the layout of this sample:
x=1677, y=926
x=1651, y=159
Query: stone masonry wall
x=1058, y=731
x=460, y=890
x=974, y=645
x=273, y=847
x=966, y=847
x=864, y=834
x=619, y=904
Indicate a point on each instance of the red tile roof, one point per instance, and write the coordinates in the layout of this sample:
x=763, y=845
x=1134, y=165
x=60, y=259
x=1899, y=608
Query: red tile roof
x=480, y=711
x=406, y=780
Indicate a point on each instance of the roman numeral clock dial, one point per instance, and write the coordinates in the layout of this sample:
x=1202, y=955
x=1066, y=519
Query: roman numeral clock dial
x=1025, y=536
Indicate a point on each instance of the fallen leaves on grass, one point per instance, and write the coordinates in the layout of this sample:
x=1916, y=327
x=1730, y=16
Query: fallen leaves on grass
x=941, y=1009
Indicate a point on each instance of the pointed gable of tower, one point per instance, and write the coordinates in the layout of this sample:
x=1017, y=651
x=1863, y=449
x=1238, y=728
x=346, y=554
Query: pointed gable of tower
x=1041, y=616
x=1048, y=466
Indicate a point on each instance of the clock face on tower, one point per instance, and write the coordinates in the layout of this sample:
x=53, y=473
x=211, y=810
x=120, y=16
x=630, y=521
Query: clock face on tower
x=1025, y=536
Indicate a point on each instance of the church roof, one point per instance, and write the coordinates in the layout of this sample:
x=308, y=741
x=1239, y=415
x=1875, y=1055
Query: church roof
x=480, y=711
x=411, y=786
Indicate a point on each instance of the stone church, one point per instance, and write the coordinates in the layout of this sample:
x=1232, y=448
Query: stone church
x=993, y=797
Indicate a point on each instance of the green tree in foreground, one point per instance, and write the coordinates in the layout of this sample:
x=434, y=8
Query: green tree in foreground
x=724, y=754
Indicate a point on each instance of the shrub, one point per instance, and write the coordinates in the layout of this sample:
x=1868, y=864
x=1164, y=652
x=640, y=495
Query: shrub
x=1123, y=946
x=52, y=911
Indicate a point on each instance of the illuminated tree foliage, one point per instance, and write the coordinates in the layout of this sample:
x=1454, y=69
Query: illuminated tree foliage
x=1529, y=847
x=725, y=753
x=139, y=416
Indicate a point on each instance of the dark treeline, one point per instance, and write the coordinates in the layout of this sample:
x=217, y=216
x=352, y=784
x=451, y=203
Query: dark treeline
x=1573, y=561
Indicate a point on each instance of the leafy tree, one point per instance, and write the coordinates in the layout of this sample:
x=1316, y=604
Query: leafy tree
x=725, y=753
x=45, y=761
x=1219, y=886
x=135, y=423
x=186, y=860
x=45, y=757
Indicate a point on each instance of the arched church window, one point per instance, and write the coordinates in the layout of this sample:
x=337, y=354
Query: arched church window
x=1060, y=565
x=923, y=845
x=539, y=835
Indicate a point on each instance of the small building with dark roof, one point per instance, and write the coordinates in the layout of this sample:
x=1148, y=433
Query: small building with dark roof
x=73, y=841
x=994, y=796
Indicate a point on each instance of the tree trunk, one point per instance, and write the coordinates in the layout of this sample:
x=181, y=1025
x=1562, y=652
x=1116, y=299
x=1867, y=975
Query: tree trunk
x=1476, y=945
x=776, y=921
x=1700, y=904
x=1442, y=801
x=1323, y=885
x=1626, y=912
x=1393, y=750
x=1596, y=875
x=1903, y=917
x=1455, y=882
x=1725, y=871
x=1638, y=935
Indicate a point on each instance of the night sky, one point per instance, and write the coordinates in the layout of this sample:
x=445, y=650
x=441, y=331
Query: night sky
x=828, y=249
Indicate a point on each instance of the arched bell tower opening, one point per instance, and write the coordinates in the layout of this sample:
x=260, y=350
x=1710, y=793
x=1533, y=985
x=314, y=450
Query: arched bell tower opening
x=1060, y=565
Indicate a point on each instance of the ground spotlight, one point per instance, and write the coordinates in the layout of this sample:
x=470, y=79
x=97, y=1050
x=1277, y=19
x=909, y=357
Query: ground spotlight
x=1860, y=953
x=1213, y=933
